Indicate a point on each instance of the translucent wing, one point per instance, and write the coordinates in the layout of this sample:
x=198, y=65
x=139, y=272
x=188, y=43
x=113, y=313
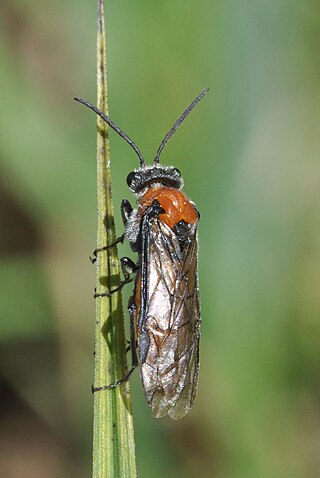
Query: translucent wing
x=168, y=320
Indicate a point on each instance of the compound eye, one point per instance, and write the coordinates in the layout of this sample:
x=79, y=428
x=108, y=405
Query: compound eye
x=177, y=171
x=131, y=177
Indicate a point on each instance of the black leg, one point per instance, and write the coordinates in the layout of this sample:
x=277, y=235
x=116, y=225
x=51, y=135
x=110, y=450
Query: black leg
x=113, y=291
x=126, y=210
x=99, y=249
x=132, y=223
x=128, y=267
x=133, y=342
x=134, y=357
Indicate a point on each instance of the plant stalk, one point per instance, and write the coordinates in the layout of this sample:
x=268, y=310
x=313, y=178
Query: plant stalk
x=113, y=434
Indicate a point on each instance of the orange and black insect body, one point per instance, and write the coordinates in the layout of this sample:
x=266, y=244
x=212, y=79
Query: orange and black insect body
x=165, y=307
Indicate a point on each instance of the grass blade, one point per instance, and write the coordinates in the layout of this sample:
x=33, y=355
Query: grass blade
x=113, y=435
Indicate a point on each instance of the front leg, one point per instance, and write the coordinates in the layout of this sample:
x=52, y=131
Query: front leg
x=132, y=225
x=126, y=210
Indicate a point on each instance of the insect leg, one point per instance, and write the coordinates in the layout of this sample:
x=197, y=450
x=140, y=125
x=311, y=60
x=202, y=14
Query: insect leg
x=126, y=211
x=128, y=267
x=133, y=348
x=133, y=343
x=104, y=248
x=132, y=225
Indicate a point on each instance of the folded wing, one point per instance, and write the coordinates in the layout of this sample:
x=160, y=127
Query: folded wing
x=169, y=320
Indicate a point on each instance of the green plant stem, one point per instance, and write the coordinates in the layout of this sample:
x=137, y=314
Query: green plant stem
x=113, y=435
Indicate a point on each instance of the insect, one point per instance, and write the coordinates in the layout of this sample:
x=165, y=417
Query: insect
x=165, y=307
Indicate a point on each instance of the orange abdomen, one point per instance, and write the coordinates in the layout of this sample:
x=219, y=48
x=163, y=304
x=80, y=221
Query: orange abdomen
x=176, y=205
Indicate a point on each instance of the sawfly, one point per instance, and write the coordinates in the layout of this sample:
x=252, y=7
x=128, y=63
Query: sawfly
x=165, y=306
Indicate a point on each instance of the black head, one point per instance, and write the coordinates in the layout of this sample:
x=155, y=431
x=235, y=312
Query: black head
x=140, y=178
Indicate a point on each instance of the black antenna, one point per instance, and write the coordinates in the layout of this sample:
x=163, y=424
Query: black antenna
x=114, y=127
x=178, y=123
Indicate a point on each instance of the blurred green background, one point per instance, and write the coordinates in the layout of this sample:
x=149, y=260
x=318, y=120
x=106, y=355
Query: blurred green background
x=249, y=154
